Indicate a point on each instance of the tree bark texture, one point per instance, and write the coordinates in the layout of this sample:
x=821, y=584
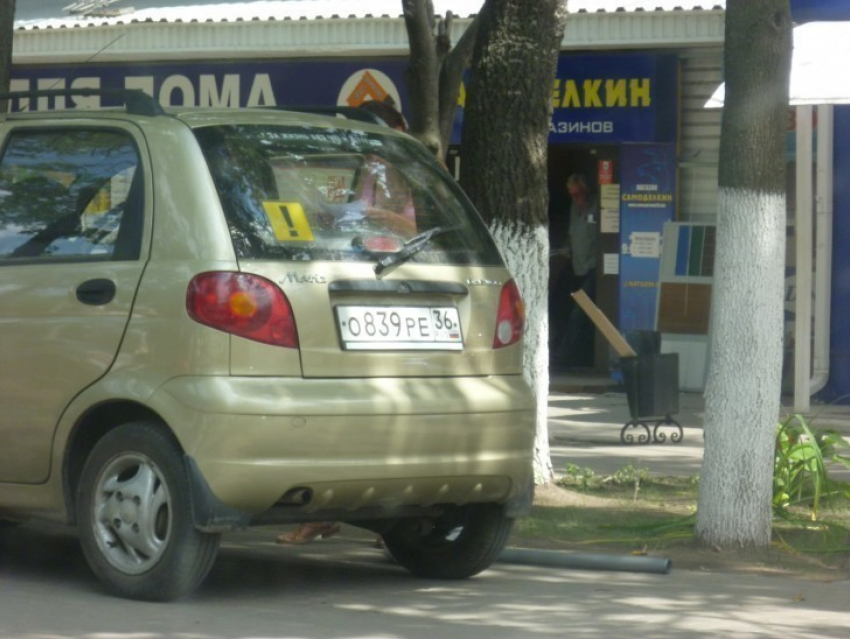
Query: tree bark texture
x=504, y=151
x=7, y=25
x=423, y=74
x=435, y=73
x=744, y=381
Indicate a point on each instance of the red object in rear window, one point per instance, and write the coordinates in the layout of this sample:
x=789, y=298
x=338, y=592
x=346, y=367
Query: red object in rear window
x=249, y=306
x=510, y=320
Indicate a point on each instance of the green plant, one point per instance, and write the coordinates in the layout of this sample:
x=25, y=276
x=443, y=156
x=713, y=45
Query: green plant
x=801, y=465
x=630, y=475
x=576, y=476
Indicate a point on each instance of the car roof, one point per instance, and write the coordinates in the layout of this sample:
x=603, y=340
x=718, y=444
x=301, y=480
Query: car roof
x=139, y=104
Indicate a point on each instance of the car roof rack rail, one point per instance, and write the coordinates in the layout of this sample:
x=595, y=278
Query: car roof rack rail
x=137, y=101
x=352, y=113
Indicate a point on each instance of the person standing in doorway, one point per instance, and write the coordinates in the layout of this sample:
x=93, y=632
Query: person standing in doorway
x=574, y=347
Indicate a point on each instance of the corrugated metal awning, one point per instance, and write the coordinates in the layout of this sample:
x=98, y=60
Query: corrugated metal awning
x=280, y=29
x=218, y=11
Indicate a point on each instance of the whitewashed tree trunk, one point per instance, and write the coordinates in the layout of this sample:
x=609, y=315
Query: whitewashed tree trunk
x=744, y=382
x=521, y=246
x=504, y=150
x=742, y=394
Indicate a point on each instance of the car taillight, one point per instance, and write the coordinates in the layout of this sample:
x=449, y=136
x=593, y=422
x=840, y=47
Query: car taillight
x=510, y=319
x=245, y=305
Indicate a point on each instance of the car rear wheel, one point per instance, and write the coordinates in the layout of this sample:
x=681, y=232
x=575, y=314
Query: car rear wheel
x=134, y=516
x=459, y=544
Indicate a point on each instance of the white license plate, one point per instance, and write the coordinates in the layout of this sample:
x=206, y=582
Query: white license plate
x=399, y=328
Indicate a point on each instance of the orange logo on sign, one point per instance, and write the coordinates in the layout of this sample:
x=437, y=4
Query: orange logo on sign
x=367, y=89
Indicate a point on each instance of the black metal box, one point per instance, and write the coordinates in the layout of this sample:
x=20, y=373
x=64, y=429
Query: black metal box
x=652, y=384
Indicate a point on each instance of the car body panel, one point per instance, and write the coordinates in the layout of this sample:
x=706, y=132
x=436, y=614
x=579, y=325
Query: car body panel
x=53, y=345
x=256, y=438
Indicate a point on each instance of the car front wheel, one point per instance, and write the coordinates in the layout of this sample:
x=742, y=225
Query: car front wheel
x=134, y=516
x=461, y=543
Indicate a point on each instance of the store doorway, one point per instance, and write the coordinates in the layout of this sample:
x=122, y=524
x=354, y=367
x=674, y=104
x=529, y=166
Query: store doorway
x=574, y=343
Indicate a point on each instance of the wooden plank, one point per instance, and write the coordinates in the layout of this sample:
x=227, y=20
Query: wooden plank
x=617, y=341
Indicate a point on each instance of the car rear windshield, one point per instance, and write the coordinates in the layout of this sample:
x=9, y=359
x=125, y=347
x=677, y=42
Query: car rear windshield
x=299, y=193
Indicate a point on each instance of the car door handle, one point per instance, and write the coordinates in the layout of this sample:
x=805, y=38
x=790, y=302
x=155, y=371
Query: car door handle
x=96, y=292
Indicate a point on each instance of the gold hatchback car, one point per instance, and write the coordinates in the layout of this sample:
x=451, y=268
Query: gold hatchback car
x=213, y=319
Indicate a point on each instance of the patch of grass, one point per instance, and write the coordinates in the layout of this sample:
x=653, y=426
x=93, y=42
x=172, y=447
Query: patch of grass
x=634, y=512
x=609, y=512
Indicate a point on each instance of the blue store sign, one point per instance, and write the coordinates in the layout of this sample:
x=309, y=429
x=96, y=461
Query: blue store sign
x=612, y=99
x=601, y=99
x=222, y=84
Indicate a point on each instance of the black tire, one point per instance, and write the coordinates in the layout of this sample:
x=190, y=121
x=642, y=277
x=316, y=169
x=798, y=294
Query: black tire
x=134, y=516
x=458, y=545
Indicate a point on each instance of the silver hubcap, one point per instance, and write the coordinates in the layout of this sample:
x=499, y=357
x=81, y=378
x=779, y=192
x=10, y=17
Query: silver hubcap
x=131, y=513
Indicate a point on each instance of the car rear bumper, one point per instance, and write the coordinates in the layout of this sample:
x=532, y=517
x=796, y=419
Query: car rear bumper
x=354, y=446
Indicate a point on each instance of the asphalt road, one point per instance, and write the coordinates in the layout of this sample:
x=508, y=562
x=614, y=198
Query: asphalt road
x=345, y=588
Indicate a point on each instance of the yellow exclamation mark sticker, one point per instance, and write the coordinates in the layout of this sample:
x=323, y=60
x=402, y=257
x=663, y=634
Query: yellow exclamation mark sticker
x=288, y=221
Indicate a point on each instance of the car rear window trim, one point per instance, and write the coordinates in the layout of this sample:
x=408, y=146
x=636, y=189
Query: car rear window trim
x=413, y=287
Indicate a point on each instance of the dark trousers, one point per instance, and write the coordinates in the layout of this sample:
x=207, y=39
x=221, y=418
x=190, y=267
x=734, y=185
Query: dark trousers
x=573, y=345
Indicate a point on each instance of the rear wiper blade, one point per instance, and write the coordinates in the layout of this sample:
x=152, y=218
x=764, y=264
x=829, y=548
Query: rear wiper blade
x=413, y=246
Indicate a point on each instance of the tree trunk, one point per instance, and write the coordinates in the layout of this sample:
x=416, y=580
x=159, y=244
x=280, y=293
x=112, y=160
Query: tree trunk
x=435, y=73
x=7, y=24
x=744, y=381
x=504, y=150
x=424, y=73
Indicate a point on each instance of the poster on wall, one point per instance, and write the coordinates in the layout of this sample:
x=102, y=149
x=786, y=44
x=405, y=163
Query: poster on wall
x=647, y=201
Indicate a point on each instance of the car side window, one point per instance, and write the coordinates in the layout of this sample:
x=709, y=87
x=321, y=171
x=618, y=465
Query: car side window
x=70, y=194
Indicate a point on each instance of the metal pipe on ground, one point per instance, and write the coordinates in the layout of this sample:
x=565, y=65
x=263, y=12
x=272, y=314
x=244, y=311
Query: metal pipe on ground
x=585, y=561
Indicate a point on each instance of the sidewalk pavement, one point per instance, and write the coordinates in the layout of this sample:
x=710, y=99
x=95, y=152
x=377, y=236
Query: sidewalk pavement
x=588, y=411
